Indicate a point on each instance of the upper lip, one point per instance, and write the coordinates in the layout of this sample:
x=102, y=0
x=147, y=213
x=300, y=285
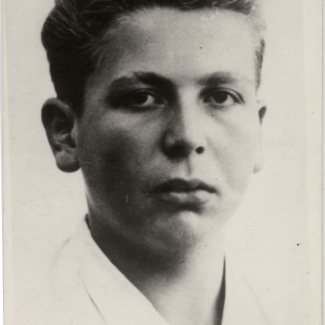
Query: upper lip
x=183, y=186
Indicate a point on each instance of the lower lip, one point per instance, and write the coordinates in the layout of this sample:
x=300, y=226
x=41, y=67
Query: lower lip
x=199, y=197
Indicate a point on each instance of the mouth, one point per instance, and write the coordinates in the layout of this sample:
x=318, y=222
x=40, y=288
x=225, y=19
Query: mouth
x=184, y=192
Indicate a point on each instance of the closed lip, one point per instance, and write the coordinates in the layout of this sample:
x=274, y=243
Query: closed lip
x=179, y=185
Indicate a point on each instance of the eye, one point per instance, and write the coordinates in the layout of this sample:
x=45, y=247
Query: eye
x=141, y=100
x=221, y=98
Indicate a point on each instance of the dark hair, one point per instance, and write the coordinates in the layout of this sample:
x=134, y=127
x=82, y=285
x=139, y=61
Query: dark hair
x=74, y=27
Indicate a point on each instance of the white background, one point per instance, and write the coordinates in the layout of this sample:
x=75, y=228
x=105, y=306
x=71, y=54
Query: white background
x=273, y=230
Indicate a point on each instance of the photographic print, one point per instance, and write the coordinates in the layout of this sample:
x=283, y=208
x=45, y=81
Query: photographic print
x=162, y=162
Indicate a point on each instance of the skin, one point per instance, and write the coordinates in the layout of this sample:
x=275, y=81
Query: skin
x=173, y=97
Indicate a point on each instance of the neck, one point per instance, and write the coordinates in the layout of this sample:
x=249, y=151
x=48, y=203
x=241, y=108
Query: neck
x=195, y=294
x=184, y=287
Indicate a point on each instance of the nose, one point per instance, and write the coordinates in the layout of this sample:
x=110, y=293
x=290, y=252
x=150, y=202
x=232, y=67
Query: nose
x=185, y=132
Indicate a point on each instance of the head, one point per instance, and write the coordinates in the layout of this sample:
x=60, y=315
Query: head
x=74, y=33
x=157, y=105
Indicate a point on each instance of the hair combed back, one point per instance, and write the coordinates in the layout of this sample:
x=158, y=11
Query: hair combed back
x=74, y=27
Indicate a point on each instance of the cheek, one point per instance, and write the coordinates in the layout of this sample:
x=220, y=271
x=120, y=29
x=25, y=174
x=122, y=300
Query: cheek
x=239, y=153
x=117, y=147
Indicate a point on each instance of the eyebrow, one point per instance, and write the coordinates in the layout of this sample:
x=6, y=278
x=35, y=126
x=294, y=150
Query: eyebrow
x=168, y=87
x=149, y=78
x=221, y=77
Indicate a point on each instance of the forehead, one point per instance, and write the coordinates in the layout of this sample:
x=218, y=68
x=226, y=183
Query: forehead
x=179, y=44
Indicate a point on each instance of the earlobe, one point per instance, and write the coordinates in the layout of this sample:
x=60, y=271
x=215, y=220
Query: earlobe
x=262, y=110
x=259, y=160
x=259, y=163
x=59, y=122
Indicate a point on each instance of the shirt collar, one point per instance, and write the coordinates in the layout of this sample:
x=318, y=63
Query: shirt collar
x=120, y=302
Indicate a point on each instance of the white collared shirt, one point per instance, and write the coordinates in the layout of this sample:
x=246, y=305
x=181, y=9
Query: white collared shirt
x=87, y=289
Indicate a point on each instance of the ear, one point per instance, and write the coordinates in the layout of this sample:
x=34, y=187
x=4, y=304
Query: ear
x=59, y=122
x=259, y=160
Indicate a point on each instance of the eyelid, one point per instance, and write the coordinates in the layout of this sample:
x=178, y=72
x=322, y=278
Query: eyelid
x=238, y=98
x=123, y=98
x=145, y=92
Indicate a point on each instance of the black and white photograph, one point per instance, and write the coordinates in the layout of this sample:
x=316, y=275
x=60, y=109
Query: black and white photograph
x=162, y=162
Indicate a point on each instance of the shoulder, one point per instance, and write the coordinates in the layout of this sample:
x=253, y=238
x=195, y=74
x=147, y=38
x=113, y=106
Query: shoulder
x=68, y=299
x=86, y=288
x=243, y=303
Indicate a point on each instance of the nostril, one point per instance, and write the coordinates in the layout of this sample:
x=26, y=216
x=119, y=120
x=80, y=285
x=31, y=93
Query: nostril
x=178, y=151
x=199, y=150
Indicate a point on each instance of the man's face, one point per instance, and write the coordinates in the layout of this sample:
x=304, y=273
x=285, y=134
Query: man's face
x=170, y=132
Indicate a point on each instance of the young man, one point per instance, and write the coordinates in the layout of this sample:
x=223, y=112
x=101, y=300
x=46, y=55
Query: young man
x=157, y=105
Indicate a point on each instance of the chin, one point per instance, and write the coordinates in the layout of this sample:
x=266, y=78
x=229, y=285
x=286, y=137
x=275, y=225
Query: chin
x=180, y=232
